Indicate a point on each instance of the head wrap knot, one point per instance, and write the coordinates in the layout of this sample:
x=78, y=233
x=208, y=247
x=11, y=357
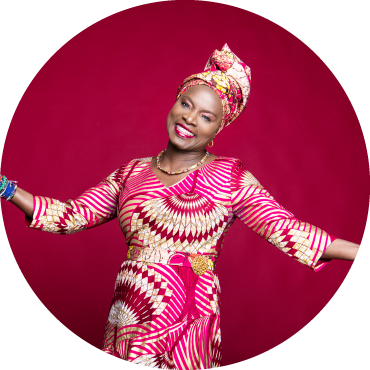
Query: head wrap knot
x=229, y=77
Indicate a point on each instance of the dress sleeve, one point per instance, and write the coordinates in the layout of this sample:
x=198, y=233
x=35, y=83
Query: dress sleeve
x=94, y=207
x=255, y=207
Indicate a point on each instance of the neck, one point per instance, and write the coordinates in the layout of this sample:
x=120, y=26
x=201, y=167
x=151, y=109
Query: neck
x=174, y=159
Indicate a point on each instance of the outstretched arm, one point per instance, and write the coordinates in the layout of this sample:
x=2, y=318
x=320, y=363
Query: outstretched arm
x=308, y=244
x=342, y=250
x=94, y=207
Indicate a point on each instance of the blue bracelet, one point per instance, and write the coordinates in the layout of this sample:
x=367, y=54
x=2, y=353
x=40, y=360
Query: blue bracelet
x=9, y=190
x=3, y=187
x=13, y=191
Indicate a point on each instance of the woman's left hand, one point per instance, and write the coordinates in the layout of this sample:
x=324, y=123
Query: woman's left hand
x=342, y=250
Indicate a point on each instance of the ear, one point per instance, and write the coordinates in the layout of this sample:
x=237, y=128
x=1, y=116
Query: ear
x=219, y=129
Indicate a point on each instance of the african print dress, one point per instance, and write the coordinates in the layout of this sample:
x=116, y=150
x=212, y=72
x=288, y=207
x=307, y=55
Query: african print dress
x=165, y=309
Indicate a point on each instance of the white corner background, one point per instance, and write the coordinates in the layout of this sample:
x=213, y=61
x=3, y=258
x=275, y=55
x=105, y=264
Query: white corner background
x=32, y=31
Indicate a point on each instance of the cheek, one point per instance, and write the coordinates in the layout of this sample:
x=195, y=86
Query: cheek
x=169, y=118
x=172, y=113
x=208, y=133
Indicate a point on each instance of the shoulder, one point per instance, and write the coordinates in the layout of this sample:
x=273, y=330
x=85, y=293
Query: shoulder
x=239, y=175
x=224, y=166
x=142, y=160
x=231, y=163
x=133, y=165
x=230, y=160
x=137, y=162
x=232, y=171
x=136, y=165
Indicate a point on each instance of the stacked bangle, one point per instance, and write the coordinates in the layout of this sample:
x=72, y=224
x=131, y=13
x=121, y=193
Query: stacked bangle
x=7, y=188
x=2, y=183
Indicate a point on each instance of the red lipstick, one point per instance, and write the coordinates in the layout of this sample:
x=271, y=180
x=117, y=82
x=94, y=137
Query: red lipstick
x=182, y=131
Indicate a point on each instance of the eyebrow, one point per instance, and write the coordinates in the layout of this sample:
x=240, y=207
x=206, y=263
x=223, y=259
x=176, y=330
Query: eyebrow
x=203, y=110
x=208, y=111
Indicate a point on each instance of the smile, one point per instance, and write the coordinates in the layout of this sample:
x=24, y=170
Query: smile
x=182, y=131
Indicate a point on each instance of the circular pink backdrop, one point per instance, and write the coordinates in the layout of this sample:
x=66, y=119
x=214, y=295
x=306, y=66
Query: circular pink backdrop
x=103, y=99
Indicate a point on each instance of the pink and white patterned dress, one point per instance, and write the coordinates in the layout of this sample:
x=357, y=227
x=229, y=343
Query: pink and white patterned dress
x=163, y=314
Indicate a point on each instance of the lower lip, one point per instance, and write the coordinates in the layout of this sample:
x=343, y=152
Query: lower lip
x=181, y=134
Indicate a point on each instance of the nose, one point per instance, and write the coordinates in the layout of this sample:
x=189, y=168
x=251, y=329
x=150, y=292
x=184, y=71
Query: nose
x=190, y=117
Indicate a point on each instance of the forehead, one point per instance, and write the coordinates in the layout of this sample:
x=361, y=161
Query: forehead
x=205, y=97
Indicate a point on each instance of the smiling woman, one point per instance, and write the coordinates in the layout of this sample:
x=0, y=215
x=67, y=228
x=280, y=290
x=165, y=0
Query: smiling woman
x=201, y=109
x=175, y=211
x=192, y=124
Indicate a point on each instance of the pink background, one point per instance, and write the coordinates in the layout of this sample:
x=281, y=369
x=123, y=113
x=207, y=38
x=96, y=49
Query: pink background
x=103, y=99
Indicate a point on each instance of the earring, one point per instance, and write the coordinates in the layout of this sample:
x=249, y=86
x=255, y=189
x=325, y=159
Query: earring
x=210, y=144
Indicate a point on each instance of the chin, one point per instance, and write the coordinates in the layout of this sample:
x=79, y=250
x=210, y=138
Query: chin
x=177, y=142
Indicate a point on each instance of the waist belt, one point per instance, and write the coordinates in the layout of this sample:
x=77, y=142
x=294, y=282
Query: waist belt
x=200, y=263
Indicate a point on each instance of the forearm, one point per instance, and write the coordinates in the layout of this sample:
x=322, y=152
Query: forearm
x=341, y=249
x=24, y=201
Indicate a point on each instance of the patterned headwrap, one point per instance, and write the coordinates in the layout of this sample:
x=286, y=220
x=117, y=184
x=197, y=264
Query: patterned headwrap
x=229, y=77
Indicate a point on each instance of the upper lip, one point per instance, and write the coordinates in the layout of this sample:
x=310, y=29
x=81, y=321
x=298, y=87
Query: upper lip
x=183, y=126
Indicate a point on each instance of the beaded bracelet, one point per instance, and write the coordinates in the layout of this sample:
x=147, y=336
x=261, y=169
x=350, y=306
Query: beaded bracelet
x=3, y=182
x=8, y=190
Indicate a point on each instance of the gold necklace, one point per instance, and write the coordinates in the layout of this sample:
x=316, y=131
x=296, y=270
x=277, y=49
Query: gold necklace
x=179, y=171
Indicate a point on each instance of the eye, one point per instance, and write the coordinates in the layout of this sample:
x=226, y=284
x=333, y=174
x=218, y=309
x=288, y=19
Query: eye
x=185, y=104
x=207, y=118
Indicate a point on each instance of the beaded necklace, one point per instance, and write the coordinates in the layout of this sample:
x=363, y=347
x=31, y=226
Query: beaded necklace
x=179, y=171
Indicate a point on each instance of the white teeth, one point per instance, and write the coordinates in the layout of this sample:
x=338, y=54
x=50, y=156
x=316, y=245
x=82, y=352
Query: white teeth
x=184, y=131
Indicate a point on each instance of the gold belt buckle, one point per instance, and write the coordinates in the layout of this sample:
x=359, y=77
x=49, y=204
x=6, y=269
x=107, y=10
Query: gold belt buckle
x=199, y=265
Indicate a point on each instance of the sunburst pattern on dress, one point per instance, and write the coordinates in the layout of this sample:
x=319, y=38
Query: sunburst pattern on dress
x=243, y=178
x=120, y=314
x=185, y=222
x=145, y=292
x=151, y=360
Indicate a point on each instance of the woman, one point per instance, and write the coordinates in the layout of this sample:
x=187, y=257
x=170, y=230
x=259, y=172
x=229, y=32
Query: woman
x=174, y=210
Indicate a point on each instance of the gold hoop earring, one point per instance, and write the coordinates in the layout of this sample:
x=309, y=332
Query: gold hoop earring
x=211, y=143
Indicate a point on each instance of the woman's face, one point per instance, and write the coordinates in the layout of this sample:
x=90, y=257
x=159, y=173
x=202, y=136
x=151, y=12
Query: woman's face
x=195, y=118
